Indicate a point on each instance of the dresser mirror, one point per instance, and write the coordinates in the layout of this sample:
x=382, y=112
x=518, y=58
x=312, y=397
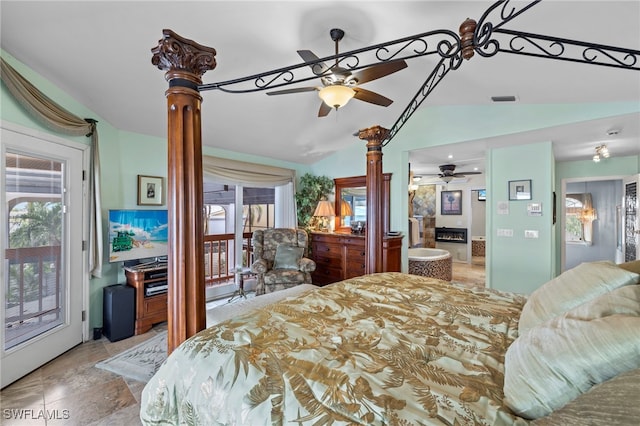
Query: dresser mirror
x=351, y=203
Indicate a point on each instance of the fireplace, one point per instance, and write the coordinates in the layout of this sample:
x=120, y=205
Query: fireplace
x=451, y=235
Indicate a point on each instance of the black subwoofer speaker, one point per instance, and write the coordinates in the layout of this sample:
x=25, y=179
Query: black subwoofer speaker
x=119, y=312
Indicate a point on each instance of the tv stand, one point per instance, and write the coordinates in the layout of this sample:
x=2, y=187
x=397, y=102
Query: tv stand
x=150, y=281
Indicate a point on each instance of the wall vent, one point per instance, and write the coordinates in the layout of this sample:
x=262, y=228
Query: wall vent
x=503, y=98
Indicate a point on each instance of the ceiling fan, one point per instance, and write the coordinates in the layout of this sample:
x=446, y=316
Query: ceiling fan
x=339, y=84
x=448, y=173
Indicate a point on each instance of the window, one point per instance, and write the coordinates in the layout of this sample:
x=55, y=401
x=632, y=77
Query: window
x=219, y=203
x=580, y=215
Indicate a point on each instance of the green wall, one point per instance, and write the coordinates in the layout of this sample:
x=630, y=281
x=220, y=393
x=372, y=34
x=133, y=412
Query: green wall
x=516, y=263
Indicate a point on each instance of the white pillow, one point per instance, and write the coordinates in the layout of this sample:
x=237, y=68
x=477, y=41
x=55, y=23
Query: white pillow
x=554, y=362
x=611, y=403
x=572, y=288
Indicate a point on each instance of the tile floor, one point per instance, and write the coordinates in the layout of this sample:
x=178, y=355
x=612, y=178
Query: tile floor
x=73, y=390
x=92, y=396
x=470, y=273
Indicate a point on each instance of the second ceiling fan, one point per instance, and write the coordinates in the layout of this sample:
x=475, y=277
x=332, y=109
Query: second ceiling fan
x=448, y=173
x=339, y=84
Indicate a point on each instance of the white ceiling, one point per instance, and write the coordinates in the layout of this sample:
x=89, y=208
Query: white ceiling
x=99, y=53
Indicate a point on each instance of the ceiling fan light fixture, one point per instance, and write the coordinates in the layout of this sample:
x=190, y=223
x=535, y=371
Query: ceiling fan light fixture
x=601, y=152
x=447, y=179
x=337, y=95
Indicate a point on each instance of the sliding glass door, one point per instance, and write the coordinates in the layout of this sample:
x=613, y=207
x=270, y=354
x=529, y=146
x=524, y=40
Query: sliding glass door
x=228, y=228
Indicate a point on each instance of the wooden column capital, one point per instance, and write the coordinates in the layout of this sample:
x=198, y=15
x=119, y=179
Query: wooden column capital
x=374, y=136
x=184, y=62
x=374, y=228
x=182, y=58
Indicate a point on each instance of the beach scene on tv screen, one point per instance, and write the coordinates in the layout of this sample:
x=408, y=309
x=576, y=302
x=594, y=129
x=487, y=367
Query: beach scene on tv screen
x=137, y=234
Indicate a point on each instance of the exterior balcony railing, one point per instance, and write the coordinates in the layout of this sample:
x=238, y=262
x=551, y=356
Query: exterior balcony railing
x=34, y=288
x=33, y=292
x=219, y=257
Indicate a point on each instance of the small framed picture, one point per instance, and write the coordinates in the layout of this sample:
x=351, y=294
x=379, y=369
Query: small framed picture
x=451, y=202
x=150, y=190
x=519, y=190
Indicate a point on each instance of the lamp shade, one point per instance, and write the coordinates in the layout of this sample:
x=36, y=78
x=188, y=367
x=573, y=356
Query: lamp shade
x=337, y=95
x=324, y=208
x=345, y=208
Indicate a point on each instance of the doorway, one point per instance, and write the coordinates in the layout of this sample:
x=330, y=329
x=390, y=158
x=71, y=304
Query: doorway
x=590, y=220
x=232, y=213
x=478, y=226
x=630, y=220
x=43, y=197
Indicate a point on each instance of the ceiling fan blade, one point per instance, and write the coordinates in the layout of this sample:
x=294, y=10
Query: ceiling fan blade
x=463, y=174
x=309, y=56
x=324, y=110
x=371, y=97
x=296, y=90
x=377, y=71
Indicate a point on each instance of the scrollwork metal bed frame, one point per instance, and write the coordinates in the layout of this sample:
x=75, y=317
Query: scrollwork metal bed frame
x=186, y=61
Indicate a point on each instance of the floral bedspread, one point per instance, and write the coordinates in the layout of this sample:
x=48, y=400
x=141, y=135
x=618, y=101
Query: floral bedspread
x=382, y=349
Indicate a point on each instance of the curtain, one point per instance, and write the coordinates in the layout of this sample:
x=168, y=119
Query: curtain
x=234, y=172
x=58, y=119
x=285, y=207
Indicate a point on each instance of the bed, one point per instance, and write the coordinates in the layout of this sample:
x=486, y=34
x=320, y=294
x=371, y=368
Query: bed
x=400, y=349
x=385, y=348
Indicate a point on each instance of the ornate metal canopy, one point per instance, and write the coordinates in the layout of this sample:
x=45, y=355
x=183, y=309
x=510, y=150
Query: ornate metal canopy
x=488, y=37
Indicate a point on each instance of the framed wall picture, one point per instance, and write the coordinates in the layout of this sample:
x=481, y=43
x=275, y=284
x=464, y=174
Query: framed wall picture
x=519, y=190
x=451, y=202
x=150, y=190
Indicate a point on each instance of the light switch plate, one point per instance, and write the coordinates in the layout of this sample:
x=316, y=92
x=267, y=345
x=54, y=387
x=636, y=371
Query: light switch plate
x=505, y=232
x=534, y=209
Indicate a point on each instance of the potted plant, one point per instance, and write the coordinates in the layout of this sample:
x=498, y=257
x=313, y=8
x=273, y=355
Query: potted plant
x=311, y=190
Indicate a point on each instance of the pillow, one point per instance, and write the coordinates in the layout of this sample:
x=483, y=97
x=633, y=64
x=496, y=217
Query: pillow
x=572, y=288
x=287, y=256
x=554, y=362
x=611, y=403
x=633, y=266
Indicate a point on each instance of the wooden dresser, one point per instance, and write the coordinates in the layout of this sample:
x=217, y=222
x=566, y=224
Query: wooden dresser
x=151, y=295
x=340, y=256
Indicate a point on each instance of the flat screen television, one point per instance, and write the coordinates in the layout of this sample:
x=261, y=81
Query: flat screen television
x=482, y=195
x=138, y=235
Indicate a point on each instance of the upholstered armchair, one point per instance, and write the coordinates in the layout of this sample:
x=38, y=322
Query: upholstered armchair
x=279, y=260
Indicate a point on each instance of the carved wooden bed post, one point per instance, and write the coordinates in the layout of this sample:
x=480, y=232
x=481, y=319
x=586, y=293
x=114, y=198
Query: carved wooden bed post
x=374, y=229
x=184, y=62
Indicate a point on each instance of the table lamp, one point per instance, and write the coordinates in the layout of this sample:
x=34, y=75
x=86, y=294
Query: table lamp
x=325, y=211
